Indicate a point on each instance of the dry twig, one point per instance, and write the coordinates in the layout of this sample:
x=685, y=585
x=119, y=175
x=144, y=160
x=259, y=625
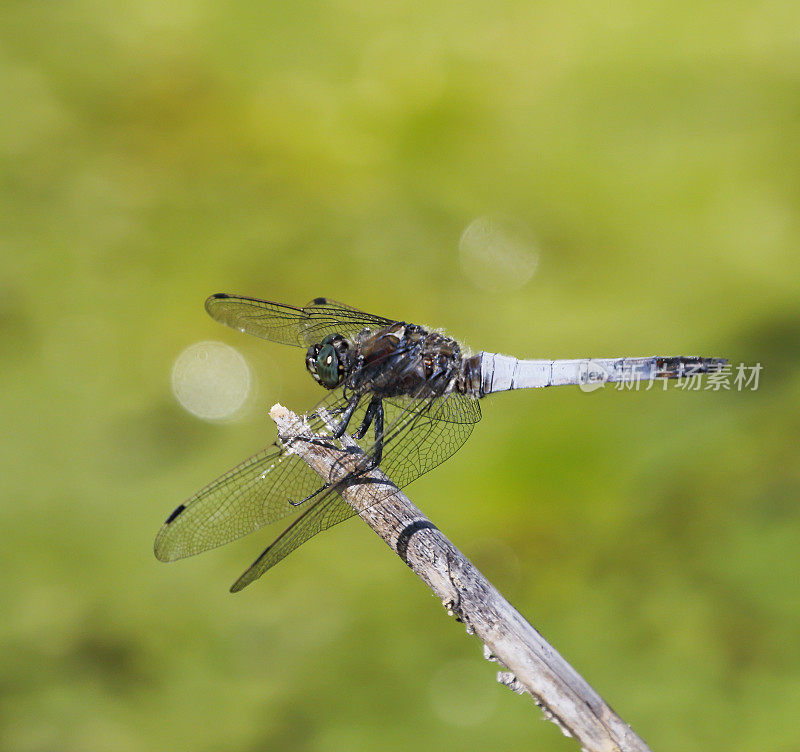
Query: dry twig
x=533, y=665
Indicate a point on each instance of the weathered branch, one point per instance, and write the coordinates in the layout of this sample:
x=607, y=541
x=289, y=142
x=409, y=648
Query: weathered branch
x=534, y=666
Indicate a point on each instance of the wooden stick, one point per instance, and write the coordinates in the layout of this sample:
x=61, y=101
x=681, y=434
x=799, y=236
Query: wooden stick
x=533, y=665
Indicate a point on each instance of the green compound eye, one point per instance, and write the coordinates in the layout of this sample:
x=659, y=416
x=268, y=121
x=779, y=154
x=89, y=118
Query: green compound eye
x=328, y=366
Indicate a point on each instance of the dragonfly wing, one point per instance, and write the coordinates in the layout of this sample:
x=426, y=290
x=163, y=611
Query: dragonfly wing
x=451, y=408
x=288, y=325
x=326, y=316
x=261, y=318
x=251, y=495
x=421, y=434
x=330, y=510
x=425, y=434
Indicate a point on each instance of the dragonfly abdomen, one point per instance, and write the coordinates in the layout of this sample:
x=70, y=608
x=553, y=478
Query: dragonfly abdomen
x=499, y=373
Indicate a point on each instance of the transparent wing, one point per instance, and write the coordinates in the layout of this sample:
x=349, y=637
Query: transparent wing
x=325, y=513
x=288, y=325
x=426, y=435
x=421, y=434
x=326, y=316
x=251, y=495
x=452, y=408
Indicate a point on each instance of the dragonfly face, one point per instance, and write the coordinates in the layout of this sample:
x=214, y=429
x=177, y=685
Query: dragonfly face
x=328, y=362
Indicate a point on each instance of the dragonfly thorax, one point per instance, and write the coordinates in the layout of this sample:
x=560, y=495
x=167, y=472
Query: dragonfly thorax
x=327, y=362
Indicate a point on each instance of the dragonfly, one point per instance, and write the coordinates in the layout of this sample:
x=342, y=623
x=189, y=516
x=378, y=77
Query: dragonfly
x=411, y=394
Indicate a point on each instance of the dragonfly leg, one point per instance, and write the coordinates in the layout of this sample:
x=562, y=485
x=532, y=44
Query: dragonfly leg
x=323, y=487
x=346, y=413
x=374, y=416
x=378, y=455
x=338, y=432
x=369, y=416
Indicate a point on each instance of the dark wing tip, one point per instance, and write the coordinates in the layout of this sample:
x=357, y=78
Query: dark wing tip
x=177, y=511
x=211, y=299
x=164, y=552
x=319, y=301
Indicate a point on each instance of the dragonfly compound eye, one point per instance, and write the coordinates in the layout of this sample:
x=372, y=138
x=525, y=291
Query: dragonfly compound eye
x=329, y=369
x=311, y=361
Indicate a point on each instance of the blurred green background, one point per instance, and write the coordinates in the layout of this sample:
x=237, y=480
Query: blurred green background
x=645, y=154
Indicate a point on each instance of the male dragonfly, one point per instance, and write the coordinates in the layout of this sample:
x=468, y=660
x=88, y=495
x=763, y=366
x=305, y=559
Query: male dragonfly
x=418, y=391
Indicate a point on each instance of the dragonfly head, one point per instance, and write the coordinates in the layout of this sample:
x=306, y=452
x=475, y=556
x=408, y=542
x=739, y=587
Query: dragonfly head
x=326, y=361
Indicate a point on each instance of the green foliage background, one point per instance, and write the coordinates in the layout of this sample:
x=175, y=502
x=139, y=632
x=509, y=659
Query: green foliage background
x=152, y=153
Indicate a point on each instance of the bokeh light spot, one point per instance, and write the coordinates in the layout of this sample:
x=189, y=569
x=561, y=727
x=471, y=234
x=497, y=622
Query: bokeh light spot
x=498, y=254
x=211, y=380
